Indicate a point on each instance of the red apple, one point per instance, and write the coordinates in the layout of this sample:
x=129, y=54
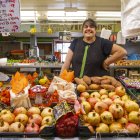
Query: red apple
x=120, y=91
x=33, y=110
x=92, y=101
x=19, y=110
x=35, y=118
x=84, y=94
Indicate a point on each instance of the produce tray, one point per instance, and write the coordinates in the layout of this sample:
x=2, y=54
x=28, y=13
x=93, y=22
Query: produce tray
x=46, y=132
x=132, y=84
x=18, y=134
x=134, y=93
x=85, y=132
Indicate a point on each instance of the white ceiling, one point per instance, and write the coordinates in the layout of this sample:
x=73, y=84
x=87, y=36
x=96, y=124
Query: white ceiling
x=42, y=6
x=88, y=5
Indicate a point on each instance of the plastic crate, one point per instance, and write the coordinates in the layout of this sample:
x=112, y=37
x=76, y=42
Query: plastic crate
x=84, y=132
x=133, y=57
x=135, y=94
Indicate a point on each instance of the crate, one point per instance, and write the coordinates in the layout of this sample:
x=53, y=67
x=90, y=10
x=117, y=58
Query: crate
x=46, y=132
x=84, y=132
x=135, y=94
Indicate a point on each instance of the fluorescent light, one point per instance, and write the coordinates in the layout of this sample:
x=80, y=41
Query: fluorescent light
x=67, y=18
x=77, y=14
x=107, y=14
x=55, y=13
x=108, y=19
x=27, y=13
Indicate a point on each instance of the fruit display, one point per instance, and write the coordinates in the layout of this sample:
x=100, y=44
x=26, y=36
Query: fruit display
x=105, y=111
x=31, y=120
x=127, y=63
x=130, y=82
x=45, y=107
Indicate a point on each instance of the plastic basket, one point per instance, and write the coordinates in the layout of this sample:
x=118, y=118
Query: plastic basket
x=134, y=57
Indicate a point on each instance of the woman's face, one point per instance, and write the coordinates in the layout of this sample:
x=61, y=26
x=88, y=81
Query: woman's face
x=89, y=30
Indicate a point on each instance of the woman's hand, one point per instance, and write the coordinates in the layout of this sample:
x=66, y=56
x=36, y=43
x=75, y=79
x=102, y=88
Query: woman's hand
x=105, y=65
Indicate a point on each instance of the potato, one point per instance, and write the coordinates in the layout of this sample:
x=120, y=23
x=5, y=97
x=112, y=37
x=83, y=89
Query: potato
x=87, y=80
x=105, y=81
x=108, y=87
x=96, y=80
x=80, y=81
x=94, y=87
x=81, y=88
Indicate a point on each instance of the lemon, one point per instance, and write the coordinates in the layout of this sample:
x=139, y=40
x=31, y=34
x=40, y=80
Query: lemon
x=42, y=81
x=1, y=84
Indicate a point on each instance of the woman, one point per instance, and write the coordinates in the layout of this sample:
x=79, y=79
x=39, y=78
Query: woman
x=91, y=55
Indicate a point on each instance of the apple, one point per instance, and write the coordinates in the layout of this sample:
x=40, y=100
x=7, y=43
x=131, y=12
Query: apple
x=86, y=106
x=103, y=92
x=95, y=94
x=120, y=91
x=20, y=110
x=108, y=101
x=35, y=118
x=4, y=111
x=100, y=107
x=8, y=117
x=4, y=126
x=112, y=93
x=115, y=97
x=84, y=94
x=92, y=101
x=33, y=110
x=47, y=111
x=102, y=128
x=23, y=118
x=16, y=127
x=103, y=97
x=93, y=118
x=48, y=120
x=125, y=97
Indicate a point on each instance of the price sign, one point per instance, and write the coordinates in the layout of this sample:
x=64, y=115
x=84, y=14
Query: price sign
x=9, y=16
x=65, y=36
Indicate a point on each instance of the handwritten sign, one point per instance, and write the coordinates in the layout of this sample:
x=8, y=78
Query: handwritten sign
x=9, y=16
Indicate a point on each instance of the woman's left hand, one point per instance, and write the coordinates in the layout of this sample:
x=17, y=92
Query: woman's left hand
x=105, y=66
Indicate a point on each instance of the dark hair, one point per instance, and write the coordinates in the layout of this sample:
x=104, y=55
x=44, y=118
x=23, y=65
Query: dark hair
x=91, y=22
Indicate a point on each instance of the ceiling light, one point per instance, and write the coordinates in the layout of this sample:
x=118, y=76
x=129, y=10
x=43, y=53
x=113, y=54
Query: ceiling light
x=107, y=14
x=108, y=19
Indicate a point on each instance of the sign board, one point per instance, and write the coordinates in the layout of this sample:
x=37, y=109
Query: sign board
x=9, y=16
x=65, y=36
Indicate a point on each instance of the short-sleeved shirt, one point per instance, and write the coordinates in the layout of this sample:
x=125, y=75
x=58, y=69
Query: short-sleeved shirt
x=98, y=51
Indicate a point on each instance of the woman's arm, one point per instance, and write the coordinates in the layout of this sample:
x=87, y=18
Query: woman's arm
x=117, y=53
x=68, y=60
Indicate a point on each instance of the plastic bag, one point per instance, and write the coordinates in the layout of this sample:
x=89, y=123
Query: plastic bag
x=130, y=19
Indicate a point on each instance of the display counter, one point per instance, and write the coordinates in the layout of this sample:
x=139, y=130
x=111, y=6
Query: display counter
x=75, y=138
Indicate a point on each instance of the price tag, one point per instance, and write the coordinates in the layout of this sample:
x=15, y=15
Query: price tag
x=27, y=69
x=9, y=16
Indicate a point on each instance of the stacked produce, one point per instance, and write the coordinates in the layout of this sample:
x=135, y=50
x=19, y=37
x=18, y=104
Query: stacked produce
x=104, y=106
x=128, y=63
x=26, y=120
